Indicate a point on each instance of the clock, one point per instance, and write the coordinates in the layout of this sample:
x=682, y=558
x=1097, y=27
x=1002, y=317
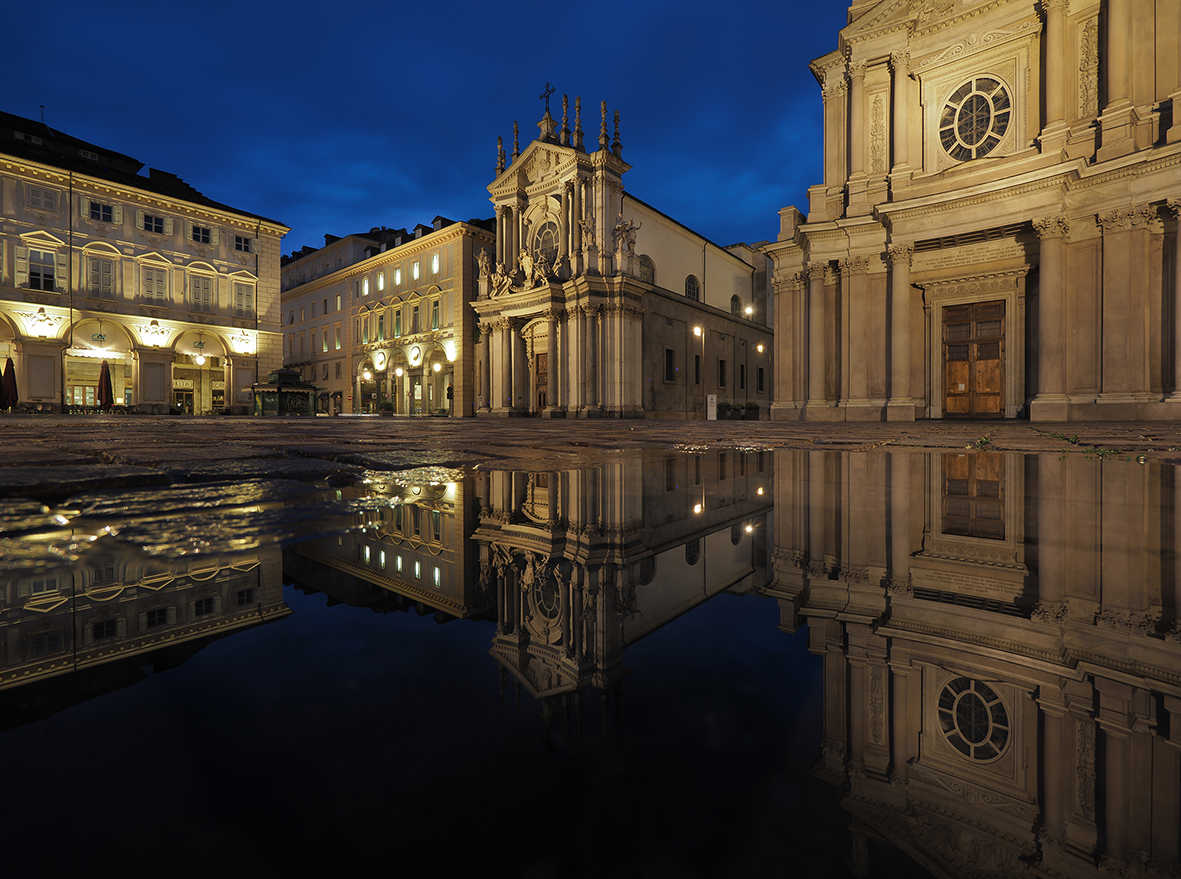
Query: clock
x=379, y=359
x=975, y=118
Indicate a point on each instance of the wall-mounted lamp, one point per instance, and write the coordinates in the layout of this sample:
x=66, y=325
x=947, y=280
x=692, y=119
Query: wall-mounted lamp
x=697, y=331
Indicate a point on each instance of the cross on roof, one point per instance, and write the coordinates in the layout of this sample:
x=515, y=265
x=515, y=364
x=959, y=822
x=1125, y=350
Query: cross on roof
x=544, y=96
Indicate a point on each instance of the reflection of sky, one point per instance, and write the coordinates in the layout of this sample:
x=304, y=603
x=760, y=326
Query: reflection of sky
x=338, y=737
x=337, y=119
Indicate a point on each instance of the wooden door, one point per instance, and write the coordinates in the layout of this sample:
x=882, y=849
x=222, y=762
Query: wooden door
x=973, y=360
x=974, y=495
x=542, y=380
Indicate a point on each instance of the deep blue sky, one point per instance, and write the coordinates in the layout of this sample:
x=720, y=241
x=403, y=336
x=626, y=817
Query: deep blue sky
x=337, y=117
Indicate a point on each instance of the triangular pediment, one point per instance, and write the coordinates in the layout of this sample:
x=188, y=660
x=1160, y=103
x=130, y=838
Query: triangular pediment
x=538, y=162
x=41, y=237
x=914, y=14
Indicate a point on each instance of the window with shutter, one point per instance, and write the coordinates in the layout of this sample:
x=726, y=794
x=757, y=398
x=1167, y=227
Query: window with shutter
x=101, y=276
x=154, y=285
x=243, y=300
x=42, y=269
x=201, y=293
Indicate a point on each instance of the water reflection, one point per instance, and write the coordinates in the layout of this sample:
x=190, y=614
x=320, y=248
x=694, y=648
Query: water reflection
x=999, y=633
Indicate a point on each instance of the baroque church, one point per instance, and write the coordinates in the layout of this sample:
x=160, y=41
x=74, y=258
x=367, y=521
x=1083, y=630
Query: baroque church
x=996, y=231
x=595, y=304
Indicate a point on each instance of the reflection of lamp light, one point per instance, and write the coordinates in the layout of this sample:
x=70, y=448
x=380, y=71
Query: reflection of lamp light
x=398, y=372
x=750, y=528
x=760, y=349
x=697, y=331
x=438, y=367
x=697, y=508
x=750, y=309
x=760, y=491
x=366, y=375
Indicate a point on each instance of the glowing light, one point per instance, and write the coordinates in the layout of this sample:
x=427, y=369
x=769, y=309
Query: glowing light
x=438, y=367
x=750, y=309
x=760, y=491
x=697, y=508
x=760, y=349
x=366, y=375
x=398, y=372
x=750, y=528
x=200, y=359
x=697, y=331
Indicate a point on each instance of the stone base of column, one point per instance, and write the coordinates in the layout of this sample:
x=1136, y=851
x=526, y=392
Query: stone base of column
x=1174, y=133
x=553, y=412
x=1053, y=139
x=901, y=409
x=1116, y=138
x=1174, y=397
x=900, y=177
x=822, y=411
x=864, y=410
x=1050, y=407
x=857, y=200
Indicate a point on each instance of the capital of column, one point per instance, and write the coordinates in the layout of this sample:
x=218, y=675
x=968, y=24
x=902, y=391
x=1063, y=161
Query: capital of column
x=1049, y=5
x=1174, y=205
x=785, y=282
x=836, y=90
x=1119, y=220
x=855, y=265
x=857, y=70
x=900, y=62
x=814, y=271
x=899, y=253
x=1052, y=227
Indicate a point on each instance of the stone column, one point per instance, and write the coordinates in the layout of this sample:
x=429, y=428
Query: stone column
x=520, y=380
x=593, y=335
x=1054, y=756
x=501, y=231
x=817, y=354
x=1116, y=120
x=855, y=297
x=901, y=405
x=565, y=249
x=1050, y=404
x=504, y=389
x=1054, y=133
x=551, y=382
x=857, y=119
x=485, y=367
x=1175, y=207
x=900, y=65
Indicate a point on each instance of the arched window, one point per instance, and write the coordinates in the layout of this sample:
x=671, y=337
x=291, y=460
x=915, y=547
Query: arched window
x=647, y=270
x=692, y=289
x=692, y=552
x=736, y=305
x=546, y=242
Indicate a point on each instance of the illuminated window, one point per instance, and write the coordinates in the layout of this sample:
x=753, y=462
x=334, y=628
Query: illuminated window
x=381, y=559
x=414, y=270
x=398, y=276
x=417, y=570
x=435, y=314
x=545, y=243
x=438, y=578
x=380, y=281
x=434, y=263
x=364, y=286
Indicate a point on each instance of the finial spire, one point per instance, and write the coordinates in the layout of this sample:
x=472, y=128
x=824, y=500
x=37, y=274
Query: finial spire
x=565, y=141
x=516, y=148
x=603, y=140
x=499, y=155
x=616, y=146
x=578, y=123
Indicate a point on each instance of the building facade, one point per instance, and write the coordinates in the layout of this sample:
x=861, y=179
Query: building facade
x=595, y=304
x=178, y=294
x=382, y=318
x=996, y=231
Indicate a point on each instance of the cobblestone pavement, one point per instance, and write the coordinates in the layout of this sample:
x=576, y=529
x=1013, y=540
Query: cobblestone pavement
x=79, y=452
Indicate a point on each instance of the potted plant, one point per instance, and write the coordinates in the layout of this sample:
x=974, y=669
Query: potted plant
x=752, y=411
x=385, y=409
x=723, y=411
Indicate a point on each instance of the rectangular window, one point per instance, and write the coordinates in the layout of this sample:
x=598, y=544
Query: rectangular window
x=742, y=376
x=42, y=199
x=201, y=293
x=104, y=213
x=46, y=643
x=397, y=323
x=670, y=365
x=338, y=369
x=380, y=281
x=416, y=521
x=398, y=563
x=101, y=275
x=301, y=314
x=325, y=305
x=381, y=327
x=759, y=377
x=435, y=314
x=381, y=559
x=42, y=264
x=721, y=373
x=414, y=319
x=438, y=578
x=414, y=270
x=364, y=286
x=202, y=607
x=155, y=285
x=104, y=629
x=437, y=526
x=696, y=369
x=156, y=617
x=434, y=263
x=202, y=234
x=313, y=348
x=338, y=302
x=670, y=474
x=398, y=276
x=153, y=224
x=417, y=570
x=243, y=244
x=243, y=300
x=324, y=377
x=336, y=328
x=364, y=322
x=245, y=596
x=324, y=344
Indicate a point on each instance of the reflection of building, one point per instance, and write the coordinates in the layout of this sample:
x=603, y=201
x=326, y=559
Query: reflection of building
x=179, y=294
x=59, y=626
x=584, y=563
x=412, y=541
x=1002, y=653
x=595, y=304
x=383, y=317
x=996, y=230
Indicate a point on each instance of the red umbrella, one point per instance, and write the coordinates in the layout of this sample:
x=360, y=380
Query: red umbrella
x=8, y=393
x=106, y=396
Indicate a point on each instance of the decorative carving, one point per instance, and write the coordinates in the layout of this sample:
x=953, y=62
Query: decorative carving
x=899, y=252
x=878, y=135
x=1085, y=758
x=900, y=588
x=1119, y=220
x=1128, y=620
x=1088, y=69
x=1049, y=612
x=855, y=265
x=877, y=699
x=857, y=69
x=41, y=323
x=625, y=235
x=1052, y=227
x=976, y=41
x=900, y=62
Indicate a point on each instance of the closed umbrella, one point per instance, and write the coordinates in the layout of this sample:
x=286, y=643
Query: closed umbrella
x=106, y=396
x=9, y=397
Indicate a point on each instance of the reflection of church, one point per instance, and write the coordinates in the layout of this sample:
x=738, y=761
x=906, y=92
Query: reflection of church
x=996, y=229
x=596, y=304
x=1001, y=648
x=584, y=563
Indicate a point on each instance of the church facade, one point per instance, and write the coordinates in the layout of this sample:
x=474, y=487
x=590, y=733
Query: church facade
x=595, y=304
x=996, y=231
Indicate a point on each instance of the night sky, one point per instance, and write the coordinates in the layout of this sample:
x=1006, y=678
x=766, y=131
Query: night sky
x=338, y=117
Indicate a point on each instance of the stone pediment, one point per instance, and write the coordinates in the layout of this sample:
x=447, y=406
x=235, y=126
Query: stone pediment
x=537, y=164
x=41, y=237
x=915, y=15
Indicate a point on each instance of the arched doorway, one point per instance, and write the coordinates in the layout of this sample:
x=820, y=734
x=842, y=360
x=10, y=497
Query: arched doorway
x=95, y=340
x=199, y=373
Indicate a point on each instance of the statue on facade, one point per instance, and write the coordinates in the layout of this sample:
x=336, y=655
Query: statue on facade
x=484, y=263
x=526, y=263
x=588, y=232
x=499, y=282
x=541, y=270
x=625, y=235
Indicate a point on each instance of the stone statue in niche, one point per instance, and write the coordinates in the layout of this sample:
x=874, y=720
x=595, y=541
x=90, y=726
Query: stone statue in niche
x=588, y=232
x=484, y=263
x=526, y=263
